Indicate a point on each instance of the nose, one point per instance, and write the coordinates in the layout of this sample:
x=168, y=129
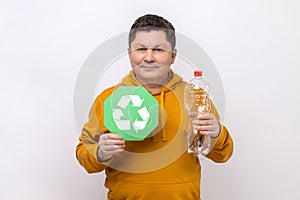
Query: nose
x=149, y=57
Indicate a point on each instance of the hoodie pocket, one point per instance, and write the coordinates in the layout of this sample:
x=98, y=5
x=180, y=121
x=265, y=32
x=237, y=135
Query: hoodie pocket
x=173, y=191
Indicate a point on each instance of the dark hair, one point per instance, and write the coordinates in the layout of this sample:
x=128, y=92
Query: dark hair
x=151, y=22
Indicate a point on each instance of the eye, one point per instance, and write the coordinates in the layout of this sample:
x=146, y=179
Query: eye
x=157, y=50
x=141, y=49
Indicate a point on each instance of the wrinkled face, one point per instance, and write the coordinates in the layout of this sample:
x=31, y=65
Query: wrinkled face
x=151, y=56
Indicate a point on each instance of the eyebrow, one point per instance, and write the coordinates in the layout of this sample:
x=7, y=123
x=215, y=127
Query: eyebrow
x=159, y=45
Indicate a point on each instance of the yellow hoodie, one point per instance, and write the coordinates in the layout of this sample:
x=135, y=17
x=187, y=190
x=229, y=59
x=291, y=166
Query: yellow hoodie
x=158, y=167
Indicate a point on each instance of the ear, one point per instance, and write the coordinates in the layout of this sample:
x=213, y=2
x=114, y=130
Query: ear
x=173, y=55
x=128, y=51
x=129, y=56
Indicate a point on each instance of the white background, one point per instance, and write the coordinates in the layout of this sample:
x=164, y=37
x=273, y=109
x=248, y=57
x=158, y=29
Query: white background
x=254, y=45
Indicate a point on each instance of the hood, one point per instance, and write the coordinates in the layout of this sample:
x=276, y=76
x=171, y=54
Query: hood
x=131, y=80
x=174, y=81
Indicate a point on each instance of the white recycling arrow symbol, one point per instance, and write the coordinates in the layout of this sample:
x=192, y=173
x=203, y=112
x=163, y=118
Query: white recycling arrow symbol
x=122, y=124
x=136, y=102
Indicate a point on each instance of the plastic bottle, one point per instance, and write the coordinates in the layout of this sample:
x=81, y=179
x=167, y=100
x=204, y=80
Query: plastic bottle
x=197, y=100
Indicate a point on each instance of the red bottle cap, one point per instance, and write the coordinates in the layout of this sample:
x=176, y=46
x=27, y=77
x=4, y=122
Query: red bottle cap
x=197, y=73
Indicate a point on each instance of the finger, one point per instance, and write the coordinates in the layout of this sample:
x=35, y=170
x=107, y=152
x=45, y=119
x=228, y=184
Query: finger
x=203, y=122
x=108, y=142
x=118, y=142
x=207, y=132
x=205, y=128
x=111, y=148
x=118, y=150
x=205, y=116
x=113, y=136
x=112, y=142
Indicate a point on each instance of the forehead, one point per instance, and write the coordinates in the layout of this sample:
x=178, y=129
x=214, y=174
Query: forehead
x=150, y=38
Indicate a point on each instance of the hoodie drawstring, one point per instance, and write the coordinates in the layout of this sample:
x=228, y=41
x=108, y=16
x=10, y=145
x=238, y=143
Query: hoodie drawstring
x=162, y=113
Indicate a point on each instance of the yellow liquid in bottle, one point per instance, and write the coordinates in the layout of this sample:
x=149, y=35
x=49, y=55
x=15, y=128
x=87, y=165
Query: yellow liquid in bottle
x=202, y=106
x=202, y=99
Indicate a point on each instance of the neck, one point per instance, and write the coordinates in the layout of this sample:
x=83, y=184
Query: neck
x=153, y=87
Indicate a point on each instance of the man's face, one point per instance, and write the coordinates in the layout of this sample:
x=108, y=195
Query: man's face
x=151, y=56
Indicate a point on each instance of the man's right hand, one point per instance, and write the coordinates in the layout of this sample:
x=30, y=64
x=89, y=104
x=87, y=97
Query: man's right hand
x=109, y=144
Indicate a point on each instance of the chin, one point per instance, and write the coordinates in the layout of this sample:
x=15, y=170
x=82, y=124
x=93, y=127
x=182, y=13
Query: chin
x=151, y=75
x=153, y=79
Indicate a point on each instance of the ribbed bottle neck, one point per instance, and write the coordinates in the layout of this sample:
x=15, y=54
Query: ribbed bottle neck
x=197, y=77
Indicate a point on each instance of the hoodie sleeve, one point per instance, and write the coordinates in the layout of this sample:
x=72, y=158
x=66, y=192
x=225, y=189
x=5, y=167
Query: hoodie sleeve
x=223, y=144
x=86, y=150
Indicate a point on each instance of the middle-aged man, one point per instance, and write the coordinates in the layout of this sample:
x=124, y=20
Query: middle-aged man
x=173, y=173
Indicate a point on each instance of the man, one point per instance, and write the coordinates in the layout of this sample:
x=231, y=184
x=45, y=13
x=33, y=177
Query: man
x=158, y=167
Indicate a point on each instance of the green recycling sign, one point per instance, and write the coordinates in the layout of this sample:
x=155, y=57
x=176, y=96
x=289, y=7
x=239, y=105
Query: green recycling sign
x=132, y=112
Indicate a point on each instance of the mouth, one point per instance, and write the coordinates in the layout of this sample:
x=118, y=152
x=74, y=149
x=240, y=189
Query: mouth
x=145, y=66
